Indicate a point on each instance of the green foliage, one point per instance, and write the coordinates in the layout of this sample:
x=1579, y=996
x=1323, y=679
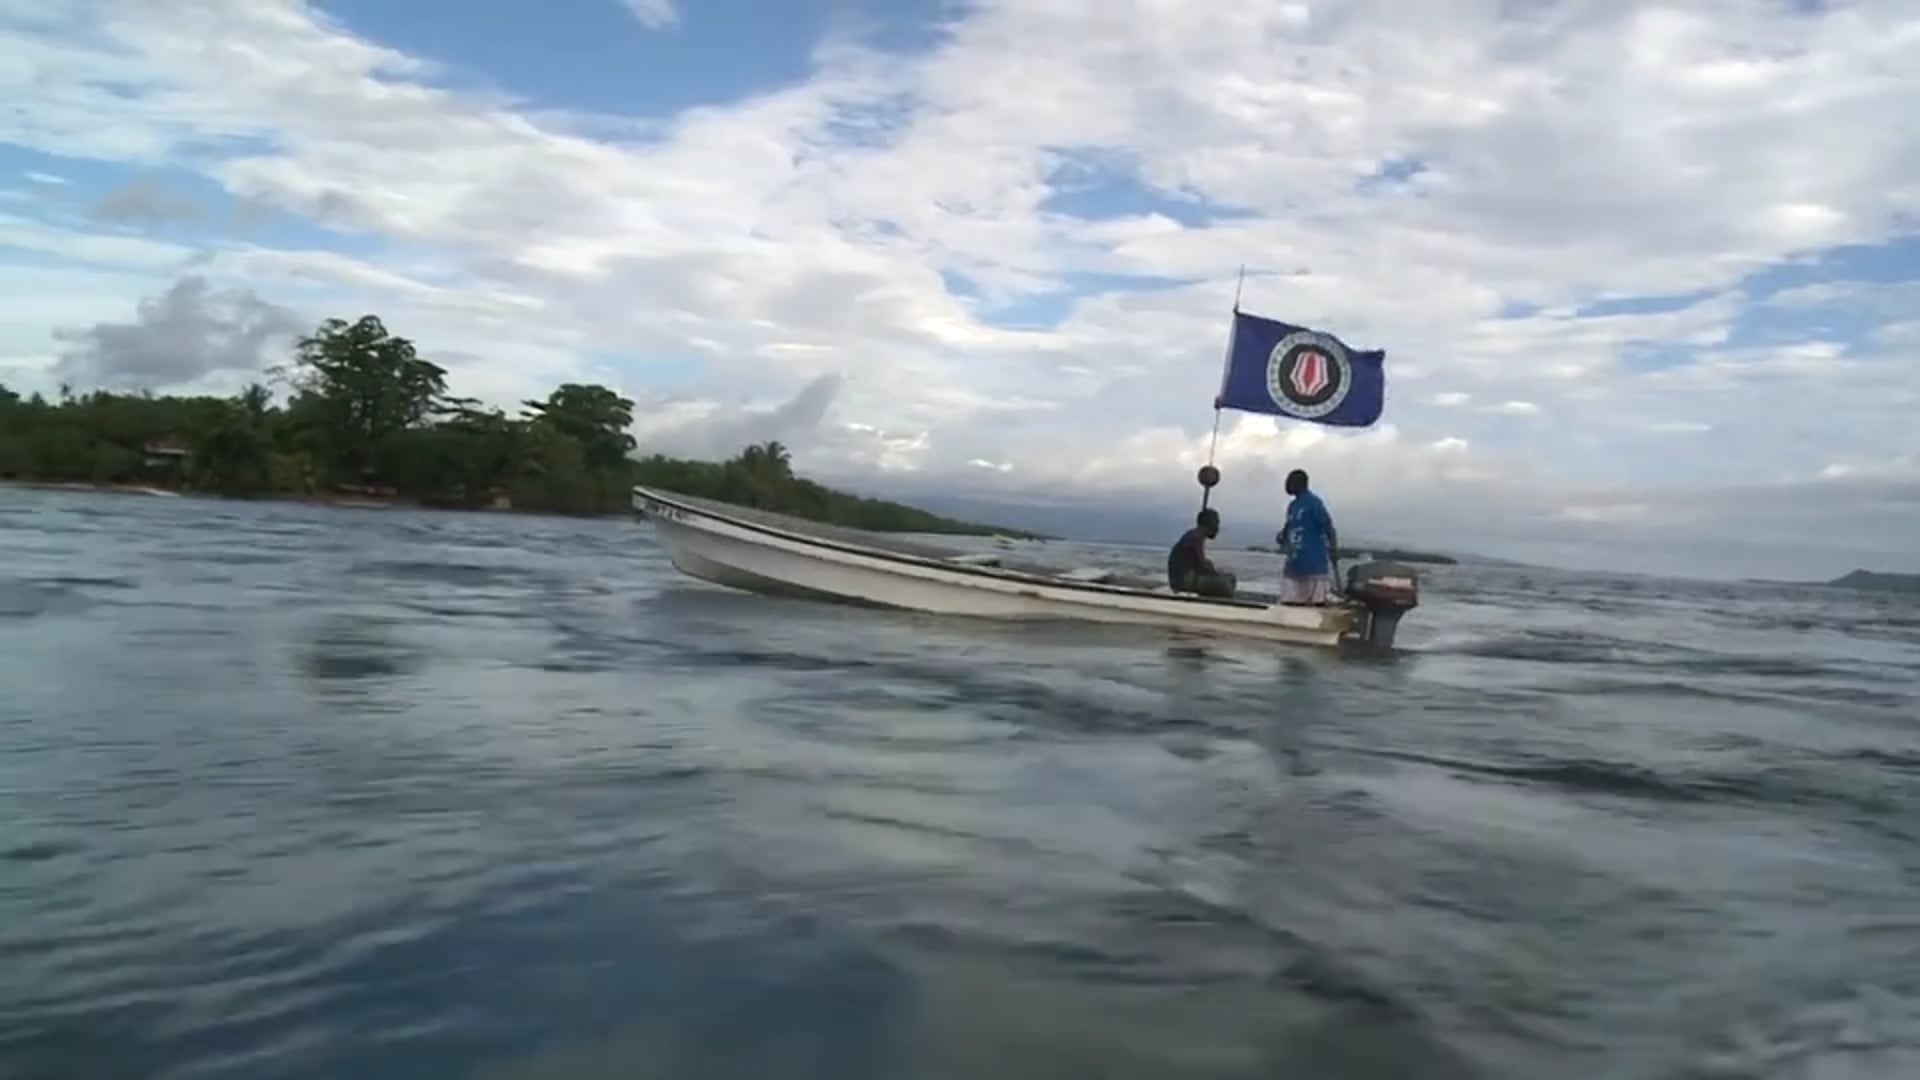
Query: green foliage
x=762, y=477
x=368, y=416
x=594, y=416
x=366, y=388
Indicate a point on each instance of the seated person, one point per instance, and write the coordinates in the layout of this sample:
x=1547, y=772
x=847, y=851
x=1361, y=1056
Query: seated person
x=1188, y=568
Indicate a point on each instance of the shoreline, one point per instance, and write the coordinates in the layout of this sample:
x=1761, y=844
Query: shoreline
x=347, y=502
x=359, y=502
x=74, y=485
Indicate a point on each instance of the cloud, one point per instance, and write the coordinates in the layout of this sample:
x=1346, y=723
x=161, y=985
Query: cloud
x=1013, y=242
x=104, y=250
x=144, y=203
x=704, y=429
x=47, y=179
x=654, y=14
x=178, y=337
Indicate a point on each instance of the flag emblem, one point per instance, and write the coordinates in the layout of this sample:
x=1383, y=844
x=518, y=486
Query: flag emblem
x=1308, y=374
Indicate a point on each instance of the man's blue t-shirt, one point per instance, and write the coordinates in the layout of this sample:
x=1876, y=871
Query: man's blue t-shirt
x=1307, y=523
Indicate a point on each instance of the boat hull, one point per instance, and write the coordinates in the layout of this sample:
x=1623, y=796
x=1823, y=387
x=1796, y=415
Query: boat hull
x=760, y=553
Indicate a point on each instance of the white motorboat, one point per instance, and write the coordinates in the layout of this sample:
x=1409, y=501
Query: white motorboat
x=1271, y=368
x=761, y=552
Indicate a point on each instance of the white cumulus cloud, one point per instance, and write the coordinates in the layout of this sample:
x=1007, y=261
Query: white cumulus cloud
x=999, y=261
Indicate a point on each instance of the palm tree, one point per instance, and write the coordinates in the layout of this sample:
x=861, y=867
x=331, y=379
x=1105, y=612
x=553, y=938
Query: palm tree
x=767, y=459
x=777, y=457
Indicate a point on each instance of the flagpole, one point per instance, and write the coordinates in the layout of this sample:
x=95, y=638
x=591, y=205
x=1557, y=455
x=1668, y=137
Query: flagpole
x=1209, y=475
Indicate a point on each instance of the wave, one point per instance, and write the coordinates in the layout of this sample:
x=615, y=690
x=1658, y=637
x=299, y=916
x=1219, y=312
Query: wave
x=1887, y=759
x=1758, y=785
x=33, y=597
x=1582, y=647
x=440, y=572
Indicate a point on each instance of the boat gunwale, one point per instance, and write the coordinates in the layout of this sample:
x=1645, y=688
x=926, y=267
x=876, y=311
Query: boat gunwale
x=964, y=569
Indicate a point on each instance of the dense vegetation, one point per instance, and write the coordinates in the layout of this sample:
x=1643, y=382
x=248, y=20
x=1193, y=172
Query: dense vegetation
x=367, y=416
x=761, y=477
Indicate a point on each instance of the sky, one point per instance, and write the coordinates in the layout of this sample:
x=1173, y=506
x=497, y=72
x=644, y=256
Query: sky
x=1647, y=275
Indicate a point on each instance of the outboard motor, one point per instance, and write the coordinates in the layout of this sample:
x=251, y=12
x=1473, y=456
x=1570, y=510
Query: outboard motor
x=1386, y=591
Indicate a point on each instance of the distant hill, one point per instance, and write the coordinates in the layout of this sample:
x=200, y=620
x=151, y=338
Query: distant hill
x=1870, y=579
x=1152, y=526
x=1388, y=554
x=1857, y=579
x=1381, y=553
x=1377, y=553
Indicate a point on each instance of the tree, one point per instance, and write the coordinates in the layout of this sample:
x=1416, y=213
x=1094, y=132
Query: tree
x=552, y=473
x=768, y=459
x=465, y=458
x=256, y=399
x=595, y=416
x=365, y=406
x=370, y=385
x=231, y=457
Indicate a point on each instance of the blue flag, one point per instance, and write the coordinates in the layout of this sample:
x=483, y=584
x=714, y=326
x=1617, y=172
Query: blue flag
x=1301, y=373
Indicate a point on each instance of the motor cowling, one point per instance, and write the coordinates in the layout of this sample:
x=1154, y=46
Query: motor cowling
x=1386, y=591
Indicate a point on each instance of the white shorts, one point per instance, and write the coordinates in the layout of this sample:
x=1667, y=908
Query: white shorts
x=1314, y=589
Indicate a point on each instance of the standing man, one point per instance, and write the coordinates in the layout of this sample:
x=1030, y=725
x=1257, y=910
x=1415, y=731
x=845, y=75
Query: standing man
x=1311, y=544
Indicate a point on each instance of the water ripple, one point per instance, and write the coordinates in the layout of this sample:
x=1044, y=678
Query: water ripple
x=305, y=793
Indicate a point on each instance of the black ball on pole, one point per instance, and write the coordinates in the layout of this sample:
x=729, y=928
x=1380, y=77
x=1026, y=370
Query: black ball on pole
x=1209, y=476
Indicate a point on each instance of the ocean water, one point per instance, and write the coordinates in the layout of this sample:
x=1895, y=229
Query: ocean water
x=299, y=792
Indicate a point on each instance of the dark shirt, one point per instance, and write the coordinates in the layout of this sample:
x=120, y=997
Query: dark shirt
x=1188, y=555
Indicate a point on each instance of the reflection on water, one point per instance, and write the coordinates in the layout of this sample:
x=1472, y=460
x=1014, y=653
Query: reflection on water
x=297, y=792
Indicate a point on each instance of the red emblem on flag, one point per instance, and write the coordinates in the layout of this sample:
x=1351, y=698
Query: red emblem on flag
x=1310, y=373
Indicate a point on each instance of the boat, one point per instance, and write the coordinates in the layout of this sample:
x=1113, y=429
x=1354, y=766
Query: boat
x=1271, y=367
x=772, y=554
